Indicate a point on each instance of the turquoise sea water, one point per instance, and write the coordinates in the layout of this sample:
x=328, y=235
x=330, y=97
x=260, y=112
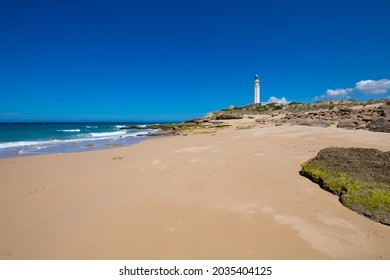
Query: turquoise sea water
x=21, y=139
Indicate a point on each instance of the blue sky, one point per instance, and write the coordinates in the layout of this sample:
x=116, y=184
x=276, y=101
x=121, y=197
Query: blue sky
x=175, y=60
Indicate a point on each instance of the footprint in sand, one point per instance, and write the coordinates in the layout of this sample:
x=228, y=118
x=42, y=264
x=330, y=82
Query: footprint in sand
x=36, y=191
x=6, y=253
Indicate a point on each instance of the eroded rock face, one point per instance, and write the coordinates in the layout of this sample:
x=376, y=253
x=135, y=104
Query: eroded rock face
x=373, y=115
x=360, y=177
x=373, y=119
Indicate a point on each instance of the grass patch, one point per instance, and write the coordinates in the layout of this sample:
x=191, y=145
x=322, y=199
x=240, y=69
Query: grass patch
x=367, y=198
x=220, y=126
x=204, y=132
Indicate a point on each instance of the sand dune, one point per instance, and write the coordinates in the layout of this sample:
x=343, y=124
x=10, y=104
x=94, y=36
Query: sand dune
x=235, y=195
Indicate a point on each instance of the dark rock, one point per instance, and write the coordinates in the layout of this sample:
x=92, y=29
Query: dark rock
x=367, y=213
x=162, y=133
x=228, y=117
x=194, y=121
x=346, y=124
x=380, y=124
x=384, y=110
x=317, y=123
x=360, y=177
x=131, y=127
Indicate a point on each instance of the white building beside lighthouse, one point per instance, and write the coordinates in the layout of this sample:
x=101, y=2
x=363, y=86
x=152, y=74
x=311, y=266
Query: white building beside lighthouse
x=256, y=90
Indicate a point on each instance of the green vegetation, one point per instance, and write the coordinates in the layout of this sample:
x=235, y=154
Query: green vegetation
x=278, y=107
x=245, y=126
x=353, y=193
x=209, y=129
x=220, y=126
x=204, y=132
x=295, y=103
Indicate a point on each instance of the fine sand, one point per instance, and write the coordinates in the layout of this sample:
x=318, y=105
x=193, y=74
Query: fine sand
x=235, y=195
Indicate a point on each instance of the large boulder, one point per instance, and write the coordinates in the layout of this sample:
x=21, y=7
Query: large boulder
x=347, y=124
x=360, y=177
x=380, y=124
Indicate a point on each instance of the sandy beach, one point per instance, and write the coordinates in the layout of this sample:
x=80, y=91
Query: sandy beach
x=233, y=195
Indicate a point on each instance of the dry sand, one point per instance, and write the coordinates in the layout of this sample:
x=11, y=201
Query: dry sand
x=235, y=195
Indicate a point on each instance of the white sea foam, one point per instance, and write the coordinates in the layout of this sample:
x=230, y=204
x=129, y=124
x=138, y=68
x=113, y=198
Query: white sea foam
x=19, y=144
x=141, y=133
x=37, y=145
x=108, y=134
x=32, y=150
x=120, y=126
x=89, y=126
x=69, y=130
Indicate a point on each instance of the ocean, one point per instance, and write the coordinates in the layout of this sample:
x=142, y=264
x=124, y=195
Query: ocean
x=33, y=138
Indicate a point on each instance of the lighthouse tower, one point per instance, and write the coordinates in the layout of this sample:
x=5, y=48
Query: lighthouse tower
x=256, y=91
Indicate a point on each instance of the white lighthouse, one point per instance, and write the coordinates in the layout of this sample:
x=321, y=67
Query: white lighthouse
x=256, y=91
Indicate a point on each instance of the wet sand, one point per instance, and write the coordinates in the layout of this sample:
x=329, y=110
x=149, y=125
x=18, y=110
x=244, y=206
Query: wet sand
x=235, y=195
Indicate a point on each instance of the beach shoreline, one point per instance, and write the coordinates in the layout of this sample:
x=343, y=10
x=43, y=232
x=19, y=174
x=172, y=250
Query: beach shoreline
x=35, y=138
x=234, y=194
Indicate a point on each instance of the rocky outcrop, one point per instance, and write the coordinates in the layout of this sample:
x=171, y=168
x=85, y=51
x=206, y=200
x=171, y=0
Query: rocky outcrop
x=347, y=114
x=196, y=126
x=347, y=124
x=227, y=117
x=372, y=118
x=373, y=115
x=360, y=177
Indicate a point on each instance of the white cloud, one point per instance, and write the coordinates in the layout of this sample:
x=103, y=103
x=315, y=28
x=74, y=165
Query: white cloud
x=335, y=93
x=274, y=99
x=373, y=87
x=338, y=92
x=364, y=86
